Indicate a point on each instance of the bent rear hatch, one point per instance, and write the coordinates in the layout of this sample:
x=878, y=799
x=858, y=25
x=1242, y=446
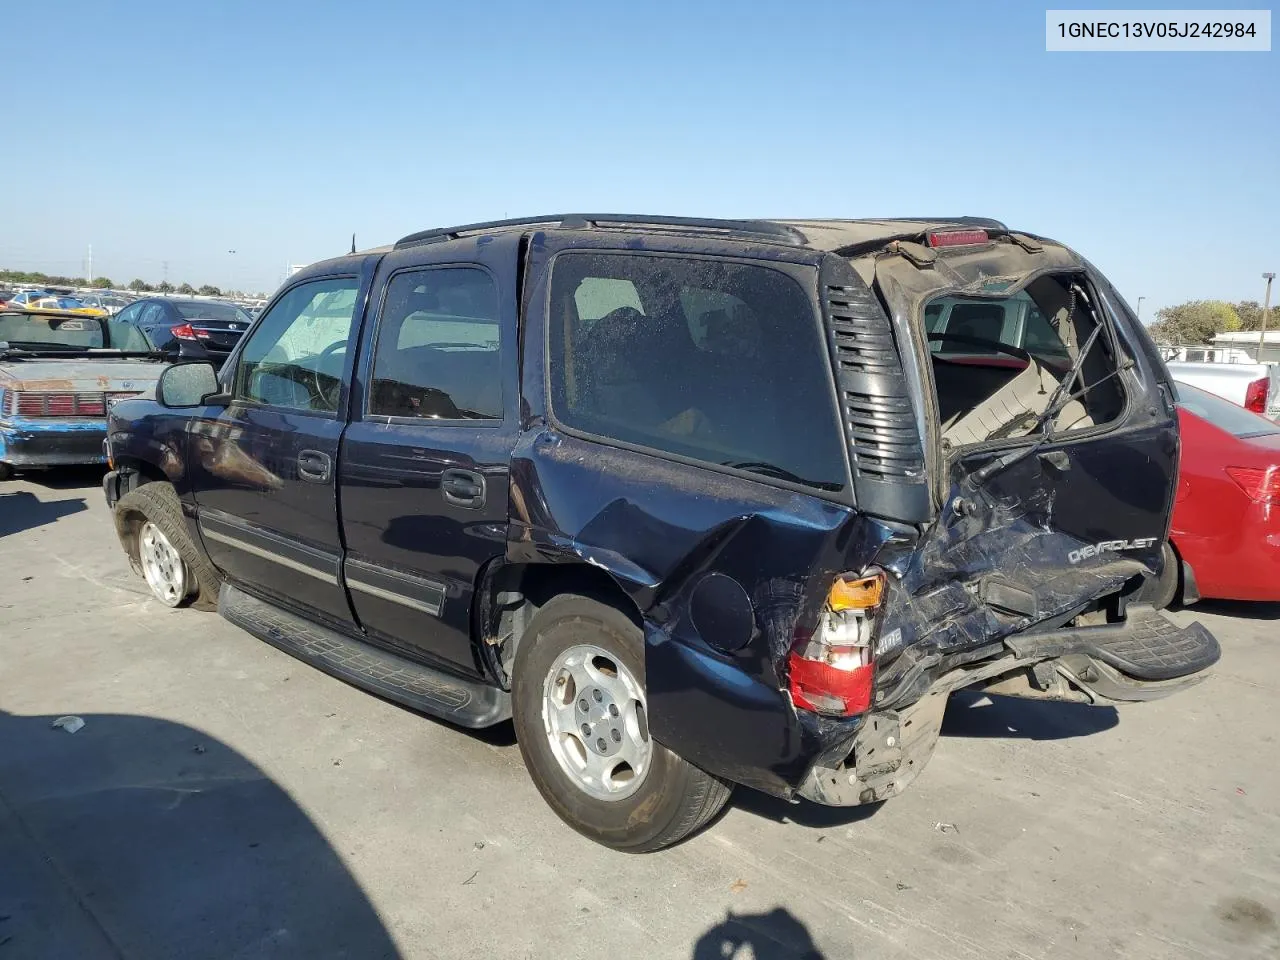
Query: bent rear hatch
x=1050, y=445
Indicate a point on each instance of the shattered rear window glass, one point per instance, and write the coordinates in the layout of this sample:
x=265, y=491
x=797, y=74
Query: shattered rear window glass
x=706, y=359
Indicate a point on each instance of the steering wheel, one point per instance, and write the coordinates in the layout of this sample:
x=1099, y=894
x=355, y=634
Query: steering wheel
x=981, y=342
x=328, y=394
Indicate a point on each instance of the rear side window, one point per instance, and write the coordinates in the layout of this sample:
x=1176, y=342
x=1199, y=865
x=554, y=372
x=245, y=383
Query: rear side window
x=437, y=352
x=717, y=361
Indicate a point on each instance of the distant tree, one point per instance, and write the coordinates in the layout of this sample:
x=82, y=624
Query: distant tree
x=186, y=288
x=164, y=286
x=1195, y=321
x=209, y=291
x=1250, y=313
x=138, y=285
x=102, y=283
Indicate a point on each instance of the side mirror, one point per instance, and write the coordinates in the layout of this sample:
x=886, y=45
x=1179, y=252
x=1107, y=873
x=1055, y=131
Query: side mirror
x=186, y=384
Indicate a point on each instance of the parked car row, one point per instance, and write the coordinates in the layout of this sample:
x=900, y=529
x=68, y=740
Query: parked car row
x=60, y=372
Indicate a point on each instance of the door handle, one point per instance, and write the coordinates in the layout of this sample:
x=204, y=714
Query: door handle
x=463, y=488
x=314, y=466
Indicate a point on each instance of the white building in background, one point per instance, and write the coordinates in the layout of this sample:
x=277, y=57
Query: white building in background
x=1244, y=345
x=1238, y=347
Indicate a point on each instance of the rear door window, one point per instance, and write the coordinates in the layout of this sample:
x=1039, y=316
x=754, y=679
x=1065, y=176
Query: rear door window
x=721, y=362
x=436, y=356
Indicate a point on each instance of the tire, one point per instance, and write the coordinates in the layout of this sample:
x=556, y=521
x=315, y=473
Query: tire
x=1166, y=589
x=6, y=471
x=157, y=503
x=671, y=799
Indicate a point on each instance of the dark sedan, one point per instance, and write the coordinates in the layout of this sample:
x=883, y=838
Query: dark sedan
x=200, y=329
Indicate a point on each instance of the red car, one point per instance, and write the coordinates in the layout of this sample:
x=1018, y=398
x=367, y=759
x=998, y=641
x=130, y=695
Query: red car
x=1226, y=520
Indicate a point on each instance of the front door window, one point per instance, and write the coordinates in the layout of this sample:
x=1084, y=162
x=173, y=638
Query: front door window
x=296, y=356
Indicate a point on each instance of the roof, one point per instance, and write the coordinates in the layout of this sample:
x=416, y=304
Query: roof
x=1248, y=336
x=816, y=234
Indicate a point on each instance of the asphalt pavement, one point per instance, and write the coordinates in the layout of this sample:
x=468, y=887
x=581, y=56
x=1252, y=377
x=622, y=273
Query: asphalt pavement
x=223, y=800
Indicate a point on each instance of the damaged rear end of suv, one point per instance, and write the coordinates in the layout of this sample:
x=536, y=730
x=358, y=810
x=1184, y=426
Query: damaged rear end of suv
x=1013, y=431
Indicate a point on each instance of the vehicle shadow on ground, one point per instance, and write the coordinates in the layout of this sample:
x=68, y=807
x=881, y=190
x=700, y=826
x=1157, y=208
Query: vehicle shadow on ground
x=67, y=478
x=776, y=935
x=143, y=838
x=971, y=713
x=1239, y=609
x=23, y=510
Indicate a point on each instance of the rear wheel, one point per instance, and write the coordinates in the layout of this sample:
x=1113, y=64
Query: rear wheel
x=151, y=527
x=6, y=471
x=580, y=712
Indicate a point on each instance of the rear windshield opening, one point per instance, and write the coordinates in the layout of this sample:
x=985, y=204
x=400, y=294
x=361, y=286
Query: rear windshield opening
x=723, y=363
x=998, y=363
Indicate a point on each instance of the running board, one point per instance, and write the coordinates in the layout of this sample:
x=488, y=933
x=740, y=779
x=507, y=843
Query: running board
x=467, y=703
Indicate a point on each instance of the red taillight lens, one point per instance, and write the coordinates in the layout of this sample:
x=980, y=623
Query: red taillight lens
x=957, y=238
x=1255, y=395
x=819, y=686
x=183, y=331
x=60, y=404
x=91, y=405
x=1258, y=483
x=832, y=671
x=29, y=404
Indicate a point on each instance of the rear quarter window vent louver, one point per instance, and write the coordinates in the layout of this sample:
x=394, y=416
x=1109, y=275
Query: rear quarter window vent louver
x=885, y=448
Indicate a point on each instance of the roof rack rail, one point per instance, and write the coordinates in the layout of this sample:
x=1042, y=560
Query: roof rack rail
x=978, y=222
x=765, y=229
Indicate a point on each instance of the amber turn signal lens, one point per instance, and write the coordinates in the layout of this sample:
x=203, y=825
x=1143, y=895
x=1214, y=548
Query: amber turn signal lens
x=862, y=594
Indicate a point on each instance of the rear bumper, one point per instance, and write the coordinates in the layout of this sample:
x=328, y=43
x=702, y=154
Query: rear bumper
x=52, y=442
x=1146, y=657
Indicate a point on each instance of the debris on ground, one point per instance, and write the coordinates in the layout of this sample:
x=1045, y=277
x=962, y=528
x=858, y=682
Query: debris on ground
x=945, y=827
x=198, y=748
x=737, y=886
x=471, y=879
x=902, y=886
x=69, y=724
x=479, y=844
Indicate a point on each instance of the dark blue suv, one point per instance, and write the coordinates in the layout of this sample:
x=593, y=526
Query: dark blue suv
x=693, y=502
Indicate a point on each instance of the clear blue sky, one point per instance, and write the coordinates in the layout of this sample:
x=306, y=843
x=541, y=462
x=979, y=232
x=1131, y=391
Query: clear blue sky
x=175, y=131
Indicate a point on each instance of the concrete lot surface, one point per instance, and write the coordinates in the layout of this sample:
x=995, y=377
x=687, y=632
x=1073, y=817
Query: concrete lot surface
x=226, y=801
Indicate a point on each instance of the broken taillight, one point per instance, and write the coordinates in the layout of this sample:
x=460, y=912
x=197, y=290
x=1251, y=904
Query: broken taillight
x=1258, y=483
x=832, y=671
x=957, y=238
x=1255, y=395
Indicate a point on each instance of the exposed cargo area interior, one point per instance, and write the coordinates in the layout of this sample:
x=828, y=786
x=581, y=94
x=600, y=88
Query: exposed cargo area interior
x=1001, y=359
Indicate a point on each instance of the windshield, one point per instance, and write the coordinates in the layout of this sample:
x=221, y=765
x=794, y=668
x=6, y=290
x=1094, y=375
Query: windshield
x=208, y=310
x=1223, y=414
x=20, y=329
x=127, y=337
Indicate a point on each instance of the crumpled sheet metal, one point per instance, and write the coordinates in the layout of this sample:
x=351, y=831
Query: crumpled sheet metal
x=936, y=609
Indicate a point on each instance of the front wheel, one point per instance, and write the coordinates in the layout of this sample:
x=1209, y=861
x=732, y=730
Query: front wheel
x=580, y=712
x=149, y=520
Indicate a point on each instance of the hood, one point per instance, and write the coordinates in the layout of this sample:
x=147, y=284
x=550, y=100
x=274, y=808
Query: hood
x=79, y=375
